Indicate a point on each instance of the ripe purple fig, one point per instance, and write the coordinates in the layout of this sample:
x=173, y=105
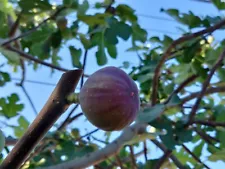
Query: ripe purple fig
x=110, y=99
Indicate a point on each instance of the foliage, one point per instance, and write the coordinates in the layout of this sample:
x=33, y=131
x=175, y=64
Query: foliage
x=46, y=29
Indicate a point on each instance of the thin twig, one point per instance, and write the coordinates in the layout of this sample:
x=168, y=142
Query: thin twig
x=14, y=25
x=101, y=141
x=181, y=86
x=14, y=28
x=65, y=122
x=133, y=160
x=168, y=51
x=161, y=161
x=204, y=86
x=209, y=123
x=194, y=156
x=84, y=64
x=75, y=117
x=29, y=99
x=174, y=158
x=30, y=57
x=210, y=90
x=119, y=162
x=126, y=159
x=33, y=81
x=88, y=134
x=205, y=136
x=33, y=29
x=145, y=151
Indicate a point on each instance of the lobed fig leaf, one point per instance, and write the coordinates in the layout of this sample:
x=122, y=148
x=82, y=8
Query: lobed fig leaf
x=109, y=99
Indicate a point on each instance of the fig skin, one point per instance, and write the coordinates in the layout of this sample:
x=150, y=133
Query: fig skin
x=109, y=99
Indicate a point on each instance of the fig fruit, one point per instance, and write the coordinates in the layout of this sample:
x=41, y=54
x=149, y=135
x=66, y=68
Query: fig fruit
x=109, y=99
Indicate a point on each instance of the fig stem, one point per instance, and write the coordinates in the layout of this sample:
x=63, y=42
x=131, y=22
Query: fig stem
x=73, y=98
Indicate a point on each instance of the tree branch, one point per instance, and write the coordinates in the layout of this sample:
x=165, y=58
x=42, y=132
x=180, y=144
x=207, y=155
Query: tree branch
x=84, y=64
x=210, y=90
x=194, y=156
x=29, y=57
x=10, y=141
x=119, y=162
x=209, y=123
x=100, y=155
x=29, y=99
x=166, y=155
x=168, y=51
x=204, y=136
x=33, y=29
x=205, y=85
x=174, y=158
x=145, y=151
x=52, y=110
x=181, y=86
x=66, y=121
x=133, y=160
x=126, y=159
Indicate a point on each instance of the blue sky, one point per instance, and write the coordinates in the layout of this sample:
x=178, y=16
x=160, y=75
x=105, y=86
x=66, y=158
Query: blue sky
x=156, y=27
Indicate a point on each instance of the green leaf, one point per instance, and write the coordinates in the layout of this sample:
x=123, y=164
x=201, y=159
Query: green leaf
x=123, y=30
x=184, y=157
x=4, y=78
x=55, y=57
x=111, y=36
x=168, y=89
x=27, y=6
x=41, y=34
x=190, y=52
x=12, y=57
x=18, y=131
x=86, y=42
x=166, y=41
x=164, y=123
x=4, y=26
x=184, y=135
x=219, y=155
x=126, y=13
x=175, y=100
x=220, y=4
x=155, y=39
x=100, y=54
x=126, y=64
x=92, y=20
x=221, y=137
x=56, y=39
x=23, y=122
x=67, y=3
x=198, y=149
x=198, y=69
x=145, y=77
x=10, y=106
x=138, y=33
x=150, y=114
x=82, y=8
x=22, y=127
x=112, y=51
x=221, y=74
x=188, y=19
x=75, y=56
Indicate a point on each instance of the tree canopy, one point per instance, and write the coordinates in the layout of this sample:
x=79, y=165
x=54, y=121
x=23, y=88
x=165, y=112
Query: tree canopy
x=181, y=85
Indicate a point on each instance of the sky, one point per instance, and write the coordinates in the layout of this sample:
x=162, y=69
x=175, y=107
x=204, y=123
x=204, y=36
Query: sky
x=150, y=18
